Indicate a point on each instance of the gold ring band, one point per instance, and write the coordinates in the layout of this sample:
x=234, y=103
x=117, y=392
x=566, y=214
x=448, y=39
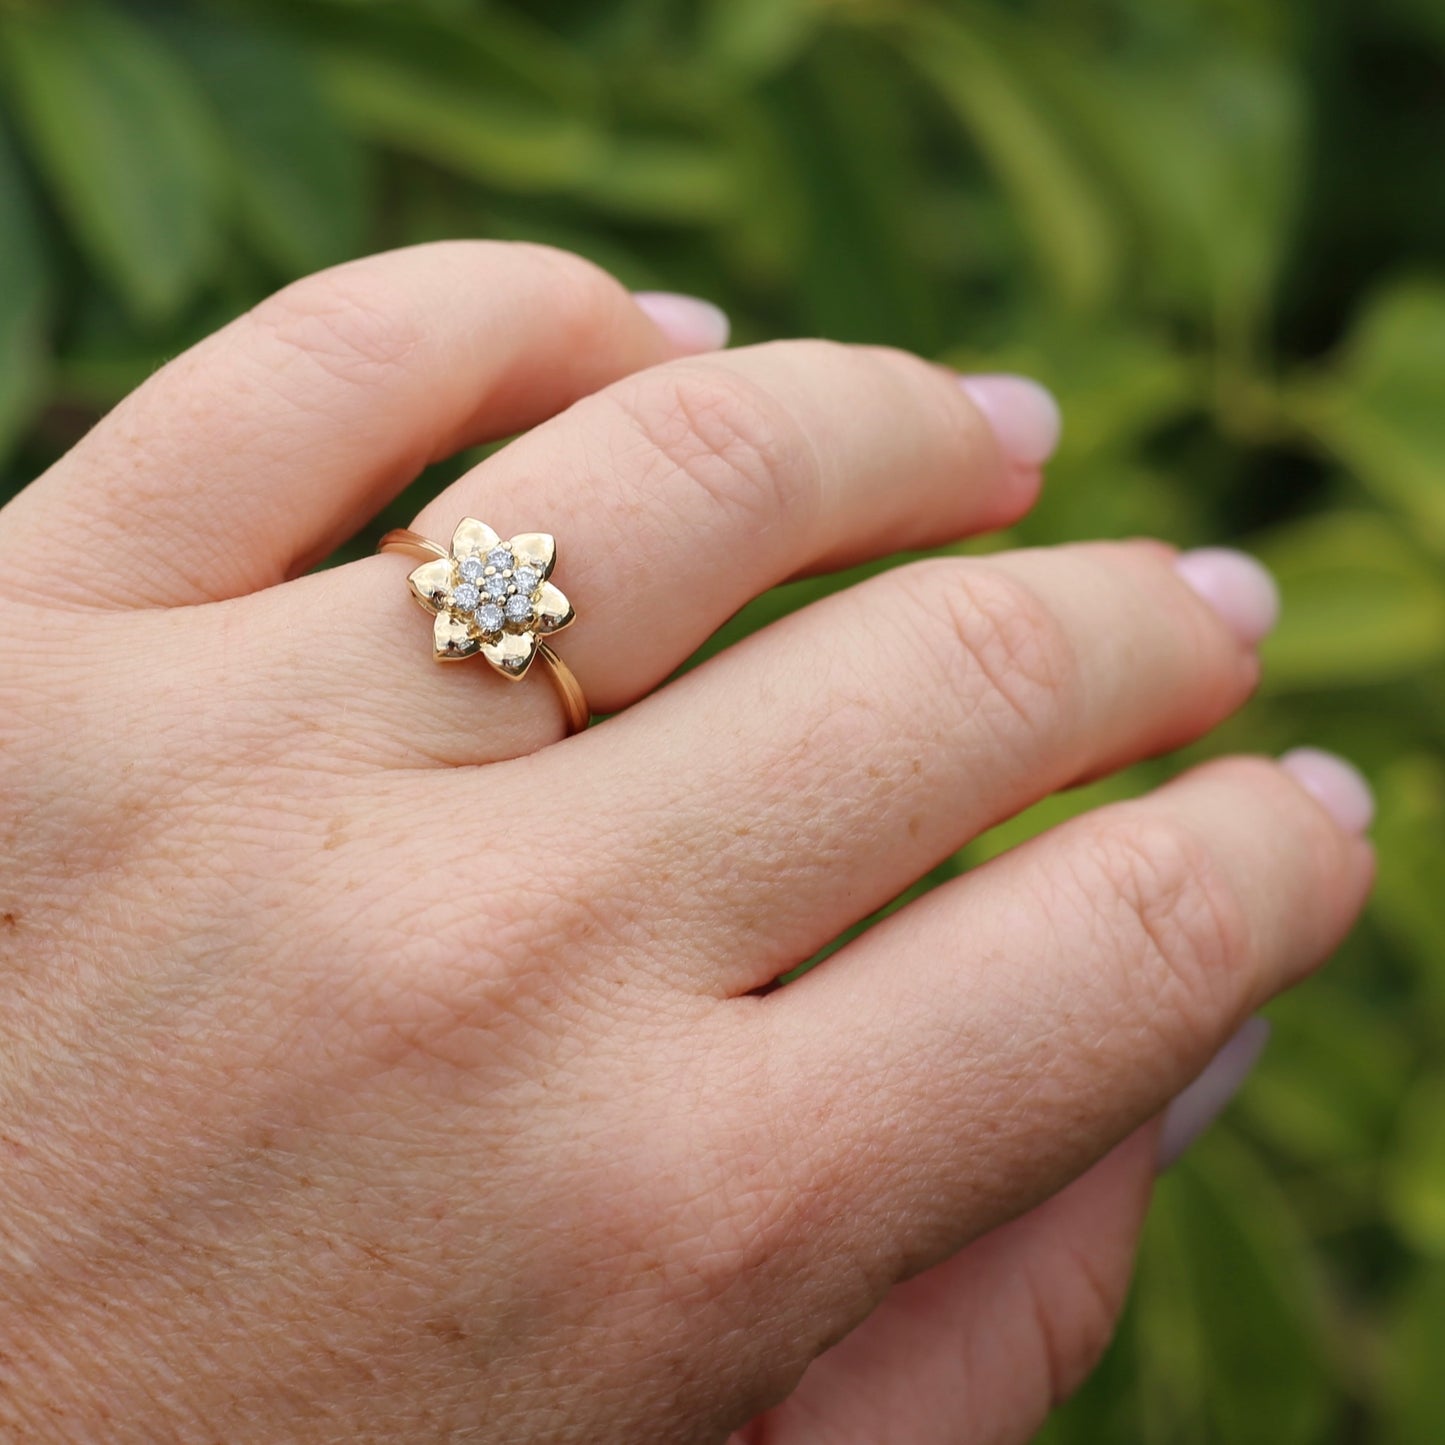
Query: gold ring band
x=491, y=598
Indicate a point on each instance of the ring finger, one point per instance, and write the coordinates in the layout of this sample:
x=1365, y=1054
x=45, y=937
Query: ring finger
x=676, y=496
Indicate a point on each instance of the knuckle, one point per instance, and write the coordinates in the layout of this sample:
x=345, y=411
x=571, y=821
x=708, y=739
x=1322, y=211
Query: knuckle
x=573, y=278
x=483, y=997
x=442, y=993
x=565, y=268
x=586, y=305
x=926, y=389
x=1175, y=918
x=343, y=322
x=737, y=443
x=999, y=645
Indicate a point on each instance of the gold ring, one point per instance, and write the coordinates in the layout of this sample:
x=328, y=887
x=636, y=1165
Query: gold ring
x=492, y=598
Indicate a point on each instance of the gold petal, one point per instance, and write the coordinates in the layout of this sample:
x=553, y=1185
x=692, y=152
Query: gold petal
x=452, y=639
x=538, y=548
x=431, y=583
x=472, y=539
x=553, y=611
x=512, y=653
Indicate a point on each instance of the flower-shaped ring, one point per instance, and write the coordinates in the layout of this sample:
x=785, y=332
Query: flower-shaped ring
x=492, y=598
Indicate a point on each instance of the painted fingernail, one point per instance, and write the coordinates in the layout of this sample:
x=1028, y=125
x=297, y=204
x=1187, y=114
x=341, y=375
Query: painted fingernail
x=1025, y=418
x=1198, y=1106
x=1237, y=587
x=1339, y=787
x=689, y=322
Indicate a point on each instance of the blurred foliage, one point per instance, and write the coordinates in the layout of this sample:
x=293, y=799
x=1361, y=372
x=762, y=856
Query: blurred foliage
x=1209, y=225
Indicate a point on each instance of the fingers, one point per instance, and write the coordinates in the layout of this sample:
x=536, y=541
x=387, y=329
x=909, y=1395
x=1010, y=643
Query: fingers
x=987, y=1043
x=676, y=496
x=985, y=1343
x=825, y=764
x=260, y=449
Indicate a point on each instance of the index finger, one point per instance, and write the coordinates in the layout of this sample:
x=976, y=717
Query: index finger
x=262, y=448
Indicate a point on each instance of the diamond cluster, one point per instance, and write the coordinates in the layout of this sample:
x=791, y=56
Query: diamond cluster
x=496, y=592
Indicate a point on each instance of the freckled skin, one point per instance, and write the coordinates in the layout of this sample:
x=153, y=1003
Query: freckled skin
x=380, y=1066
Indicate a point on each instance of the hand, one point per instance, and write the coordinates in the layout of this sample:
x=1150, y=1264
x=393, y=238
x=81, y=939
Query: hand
x=379, y=1067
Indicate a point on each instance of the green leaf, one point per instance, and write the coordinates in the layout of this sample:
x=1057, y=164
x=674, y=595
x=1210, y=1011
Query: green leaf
x=757, y=37
x=1227, y=1319
x=488, y=137
x=1326, y=1091
x=1414, y=1384
x=1205, y=147
x=987, y=81
x=841, y=116
x=1380, y=409
x=1415, y=1173
x=126, y=145
x=662, y=179
x=24, y=297
x=1425, y=16
x=495, y=44
x=297, y=174
x=1360, y=603
x=455, y=96
x=1408, y=903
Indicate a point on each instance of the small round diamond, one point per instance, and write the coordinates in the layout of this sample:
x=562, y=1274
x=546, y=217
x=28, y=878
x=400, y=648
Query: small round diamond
x=526, y=579
x=500, y=558
x=519, y=608
x=465, y=597
x=496, y=585
x=471, y=569
x=489, y=617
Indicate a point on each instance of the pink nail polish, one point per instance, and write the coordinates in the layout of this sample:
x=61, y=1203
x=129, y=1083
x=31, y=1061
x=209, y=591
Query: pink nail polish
x=1024, y=416
x=1237, y=587
x=1339, y=787
x=689, y=322
x=1199, y=1105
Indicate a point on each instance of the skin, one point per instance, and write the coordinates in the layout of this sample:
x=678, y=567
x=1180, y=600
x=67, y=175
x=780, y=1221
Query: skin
x=379, y=1065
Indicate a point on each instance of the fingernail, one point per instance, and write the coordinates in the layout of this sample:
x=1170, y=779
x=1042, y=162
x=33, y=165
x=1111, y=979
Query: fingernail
x=689, y=322
x=1198, y=1106
x=1237, y=587
x=1339, y=787
x=1024, y=416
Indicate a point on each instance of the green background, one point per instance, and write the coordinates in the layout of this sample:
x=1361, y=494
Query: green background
x=1215, y=227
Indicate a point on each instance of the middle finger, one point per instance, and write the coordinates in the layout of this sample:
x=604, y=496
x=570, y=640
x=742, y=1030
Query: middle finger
x=826, y=763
